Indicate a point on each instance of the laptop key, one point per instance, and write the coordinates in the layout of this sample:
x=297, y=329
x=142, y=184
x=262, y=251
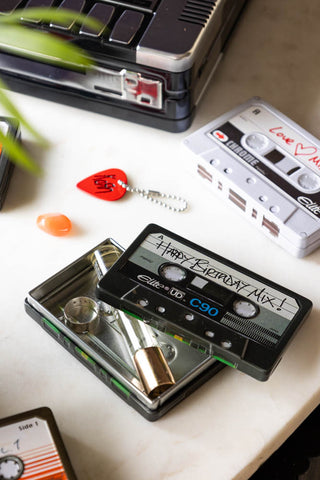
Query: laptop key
x=35, y=4
x=101, y=12
x=126, y=27
x=74, y=5
x=8, y=6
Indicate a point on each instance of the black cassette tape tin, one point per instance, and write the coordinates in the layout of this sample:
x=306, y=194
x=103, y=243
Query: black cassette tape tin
x=102, y=348
x=8, y=127
x=209, y=302
x=31, y=447
x=153, y=58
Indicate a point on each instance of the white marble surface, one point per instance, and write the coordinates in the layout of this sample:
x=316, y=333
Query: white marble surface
x=228, y=427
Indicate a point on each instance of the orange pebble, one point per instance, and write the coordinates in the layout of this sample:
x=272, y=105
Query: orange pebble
x=54, y=223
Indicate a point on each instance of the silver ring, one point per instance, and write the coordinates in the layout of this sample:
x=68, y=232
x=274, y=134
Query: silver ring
x=81, y=314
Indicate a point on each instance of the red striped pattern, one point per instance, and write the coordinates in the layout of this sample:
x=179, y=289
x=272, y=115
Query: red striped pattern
x=43, y=463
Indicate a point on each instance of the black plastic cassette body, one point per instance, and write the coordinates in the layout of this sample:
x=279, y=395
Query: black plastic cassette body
x=153, y=58
x=31, y=447
x=267, y=167
x=212, y=304
x=104, y=351
x=10, y=127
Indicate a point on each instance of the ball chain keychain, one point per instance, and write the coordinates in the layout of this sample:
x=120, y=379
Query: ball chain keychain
x=112, y=185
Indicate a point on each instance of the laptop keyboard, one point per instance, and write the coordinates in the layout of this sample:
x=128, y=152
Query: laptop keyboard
x=122, y=23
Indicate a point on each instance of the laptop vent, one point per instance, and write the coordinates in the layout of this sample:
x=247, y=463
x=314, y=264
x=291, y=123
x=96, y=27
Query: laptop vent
x=197, y=11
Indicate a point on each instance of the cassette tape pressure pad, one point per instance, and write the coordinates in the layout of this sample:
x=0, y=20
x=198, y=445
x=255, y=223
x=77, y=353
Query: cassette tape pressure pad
x=153, y=58
x=204, y=300
x=267, y=167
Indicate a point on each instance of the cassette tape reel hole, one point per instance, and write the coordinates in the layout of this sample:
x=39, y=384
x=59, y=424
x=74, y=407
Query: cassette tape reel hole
x=309, y=182
x=256, y=141
x=245, y=309
x=172, y=272
x=11, y=468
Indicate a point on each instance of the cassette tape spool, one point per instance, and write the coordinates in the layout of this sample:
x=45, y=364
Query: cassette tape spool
x=267, y=167
x=204, y=300
x=31, y=447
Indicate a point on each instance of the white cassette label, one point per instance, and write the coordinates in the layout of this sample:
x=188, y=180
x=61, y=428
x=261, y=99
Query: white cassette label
x=261, y=119
x=276, y=151
x=171, y=250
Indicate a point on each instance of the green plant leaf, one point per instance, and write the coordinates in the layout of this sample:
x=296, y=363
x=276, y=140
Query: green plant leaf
x=14, y=112
x=18, y=154
x=42, y=46
x=48, y=15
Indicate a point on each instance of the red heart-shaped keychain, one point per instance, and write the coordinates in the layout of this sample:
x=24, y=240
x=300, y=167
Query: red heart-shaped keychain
x=105, y=184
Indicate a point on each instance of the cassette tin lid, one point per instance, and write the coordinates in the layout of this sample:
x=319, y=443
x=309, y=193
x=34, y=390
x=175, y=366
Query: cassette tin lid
x=266, y=165
x=215, y=305
x=157, y=33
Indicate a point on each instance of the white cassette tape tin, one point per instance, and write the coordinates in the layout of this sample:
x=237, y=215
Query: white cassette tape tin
x=268, y=167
